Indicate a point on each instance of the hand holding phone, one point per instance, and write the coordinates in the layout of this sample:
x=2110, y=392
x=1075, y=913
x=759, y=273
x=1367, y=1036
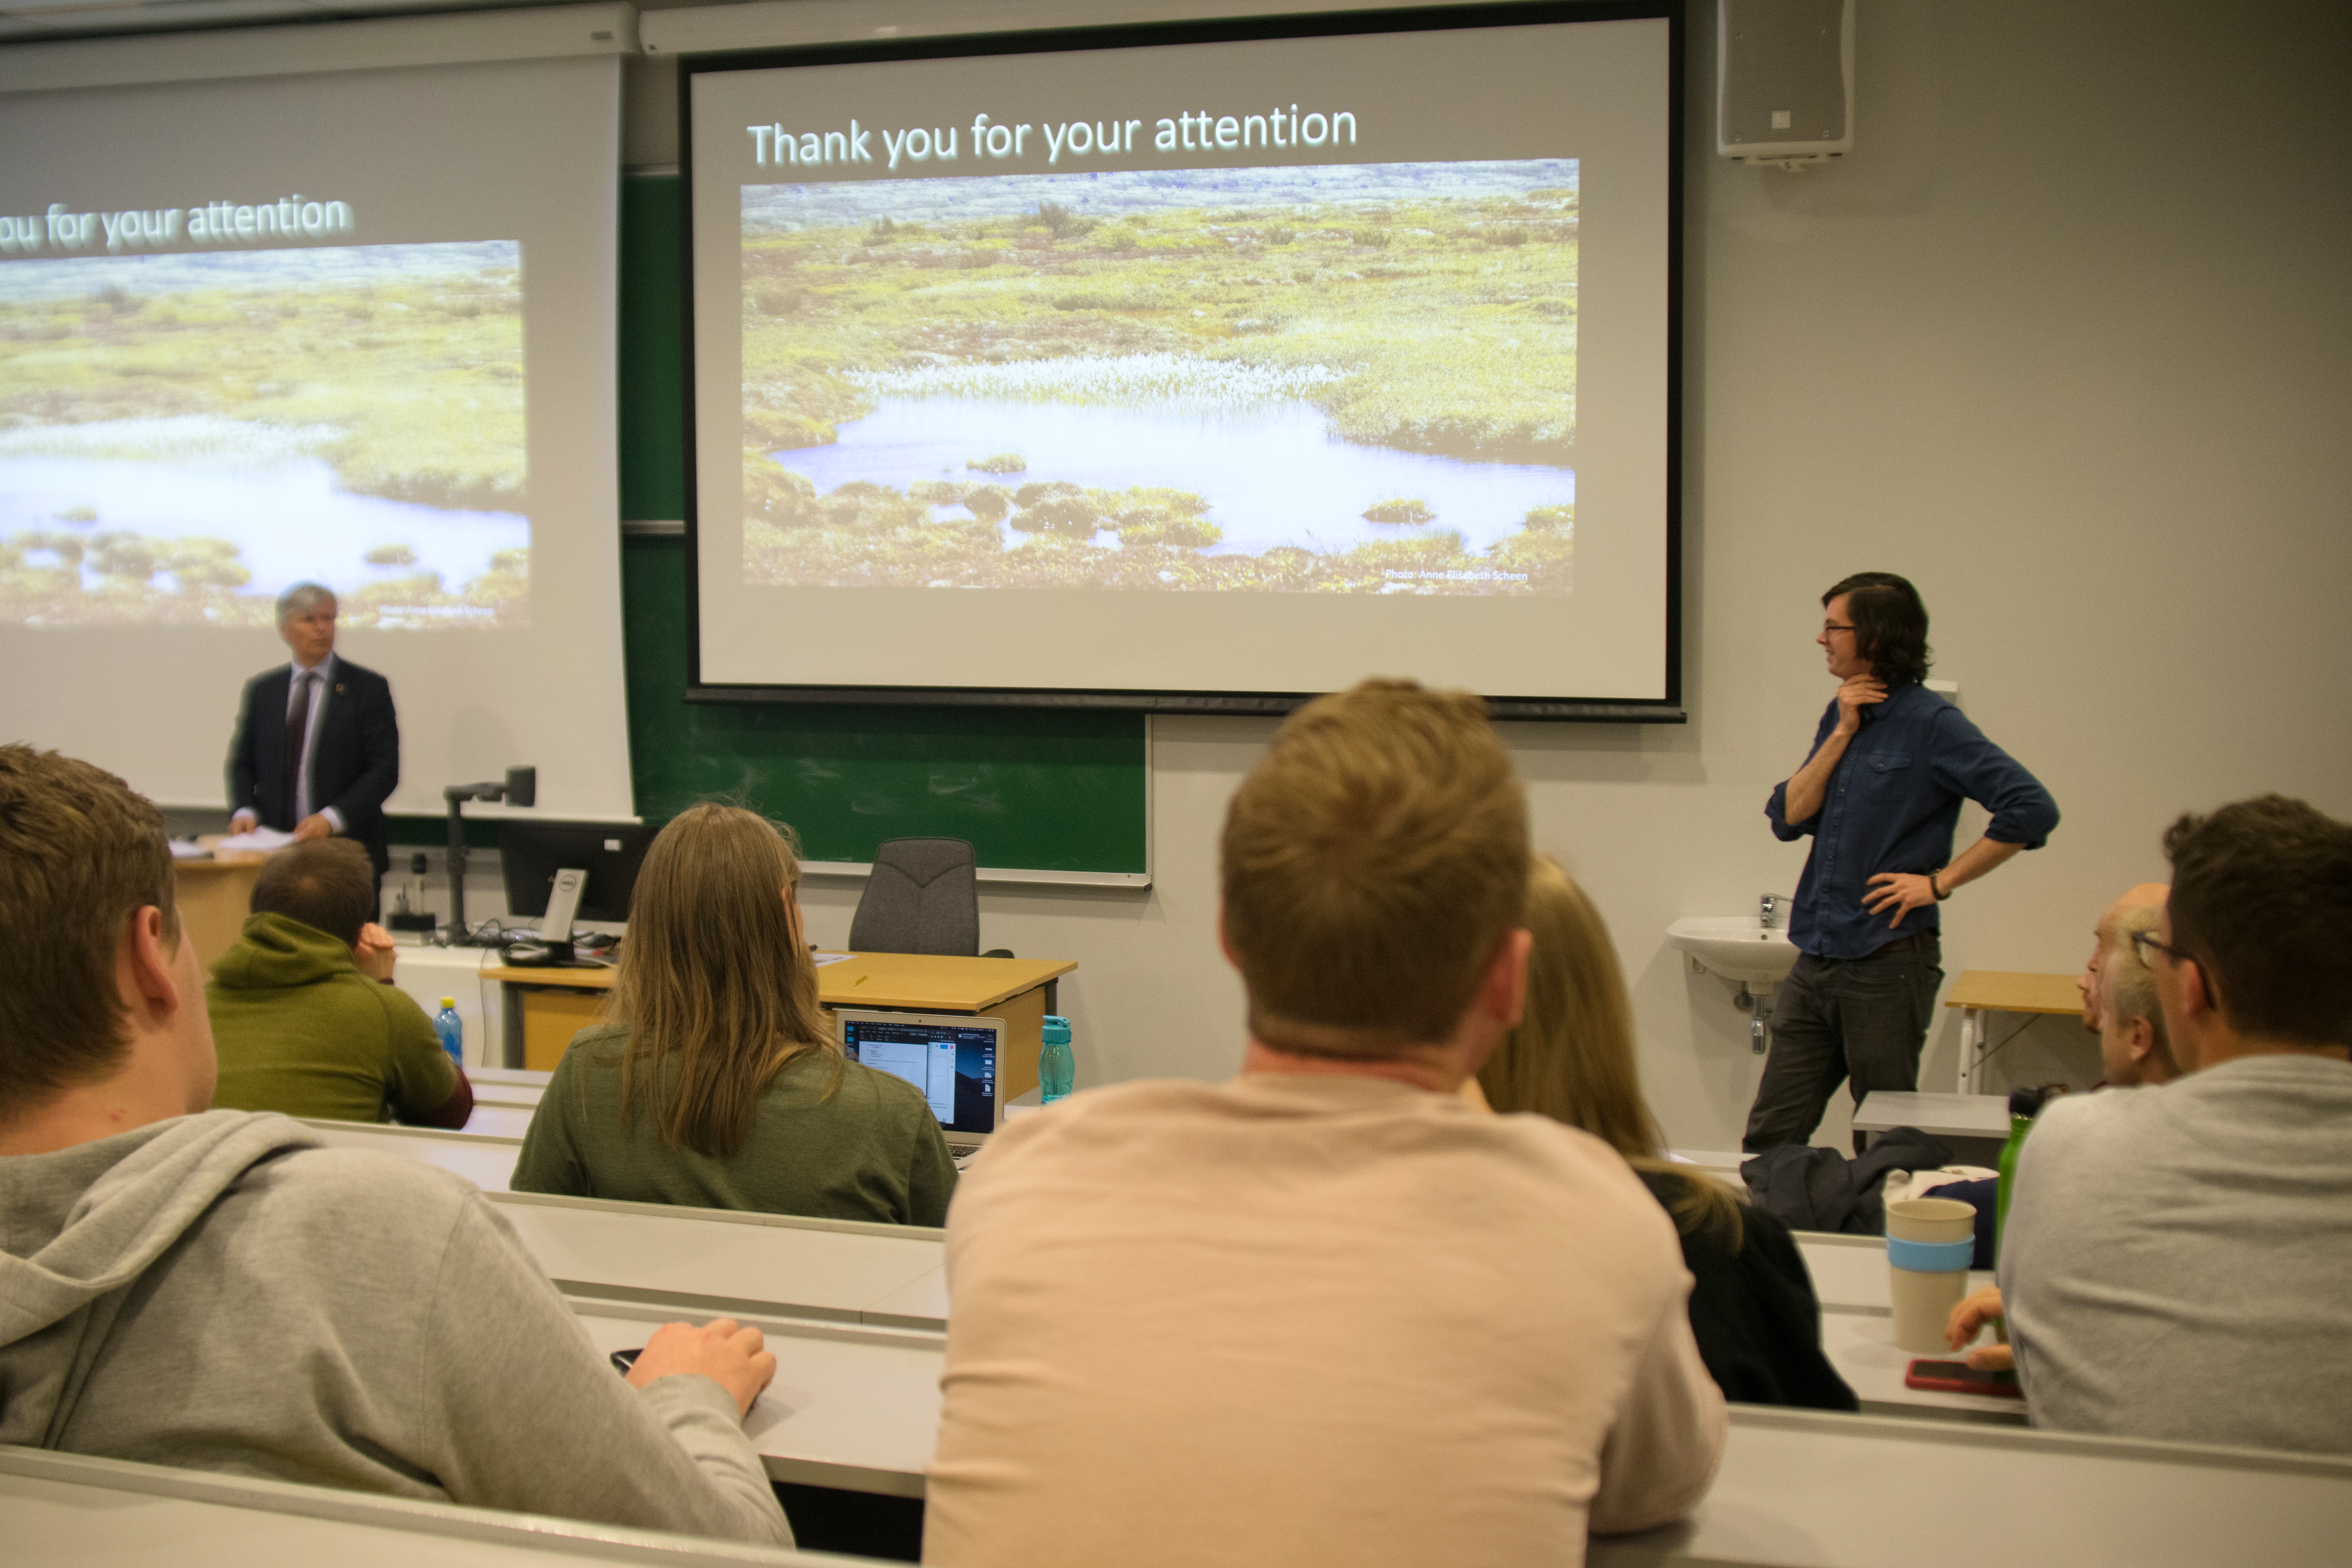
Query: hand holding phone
x=732, y=1356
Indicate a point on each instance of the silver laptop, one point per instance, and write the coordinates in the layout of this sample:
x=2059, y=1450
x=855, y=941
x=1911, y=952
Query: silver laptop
x=954, y=1059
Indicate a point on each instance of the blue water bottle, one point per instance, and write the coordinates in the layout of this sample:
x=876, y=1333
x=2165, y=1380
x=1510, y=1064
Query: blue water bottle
x=1055, y=1067
x=452, y=1030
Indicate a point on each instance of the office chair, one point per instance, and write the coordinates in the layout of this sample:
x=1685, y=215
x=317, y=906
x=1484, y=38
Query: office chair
x=923, y=897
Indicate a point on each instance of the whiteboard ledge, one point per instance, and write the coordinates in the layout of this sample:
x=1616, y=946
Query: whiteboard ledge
x=799, y=24
x=545, y=32
x=993, y=874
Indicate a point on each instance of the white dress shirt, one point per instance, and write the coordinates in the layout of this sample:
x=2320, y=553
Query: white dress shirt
x=322, y=678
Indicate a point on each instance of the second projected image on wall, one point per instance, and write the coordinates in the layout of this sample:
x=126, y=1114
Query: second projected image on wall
x=183, y=436
x=1350, y=379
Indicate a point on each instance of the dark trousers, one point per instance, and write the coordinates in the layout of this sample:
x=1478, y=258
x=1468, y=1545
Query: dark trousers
x=1863, y=1020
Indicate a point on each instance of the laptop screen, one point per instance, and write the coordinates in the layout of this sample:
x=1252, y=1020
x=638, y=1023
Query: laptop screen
x=953, y=1063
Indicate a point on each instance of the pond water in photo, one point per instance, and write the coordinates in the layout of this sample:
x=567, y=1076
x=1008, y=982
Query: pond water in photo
x=1272, y=476
x=291, y=520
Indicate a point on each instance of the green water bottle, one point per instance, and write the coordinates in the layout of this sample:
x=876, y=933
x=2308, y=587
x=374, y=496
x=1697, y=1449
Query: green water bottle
x=1055, y=1067
x=2024, y=1104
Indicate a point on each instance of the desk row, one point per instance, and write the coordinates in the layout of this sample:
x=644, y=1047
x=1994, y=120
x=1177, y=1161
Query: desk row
x=720, y=1261
x=1796, y=1490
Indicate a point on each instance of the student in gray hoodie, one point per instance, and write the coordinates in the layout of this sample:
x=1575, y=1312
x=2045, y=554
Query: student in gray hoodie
x=216, y=1290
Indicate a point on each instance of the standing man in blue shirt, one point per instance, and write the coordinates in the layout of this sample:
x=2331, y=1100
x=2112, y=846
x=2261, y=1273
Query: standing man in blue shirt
x=1880, y=795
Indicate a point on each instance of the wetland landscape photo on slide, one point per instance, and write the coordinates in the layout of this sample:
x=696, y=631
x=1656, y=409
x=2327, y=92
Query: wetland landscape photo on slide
x=184, y=436
x=1334, y=379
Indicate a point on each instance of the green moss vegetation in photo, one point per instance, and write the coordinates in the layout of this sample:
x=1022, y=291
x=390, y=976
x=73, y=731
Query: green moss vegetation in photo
x=1344, y=379
x=182, y=434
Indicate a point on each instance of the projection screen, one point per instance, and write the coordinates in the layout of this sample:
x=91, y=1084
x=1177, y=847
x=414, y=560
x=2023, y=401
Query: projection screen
x=1191, y=370
x=343, y=324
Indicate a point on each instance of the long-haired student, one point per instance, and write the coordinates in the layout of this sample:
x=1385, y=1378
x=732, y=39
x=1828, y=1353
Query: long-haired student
x=715, y=1081
x=1752, y=1308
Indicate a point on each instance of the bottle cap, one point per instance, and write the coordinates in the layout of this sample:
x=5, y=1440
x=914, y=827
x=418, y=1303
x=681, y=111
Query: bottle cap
x=448, y=1001
x=1057, y=1030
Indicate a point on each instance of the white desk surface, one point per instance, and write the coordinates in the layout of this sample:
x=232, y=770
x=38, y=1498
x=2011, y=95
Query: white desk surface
x=1939, y=1115
x=1861, y=1346
x=716, y=1261
x=507, y=1085
x=857, y=1409
x=921, y=1303
x=1803, y=1489
x=486, y=1161
x=500, y=1121
x=64, y=1510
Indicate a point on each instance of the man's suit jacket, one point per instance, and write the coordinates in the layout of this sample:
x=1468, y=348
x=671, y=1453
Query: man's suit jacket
x=353, y=767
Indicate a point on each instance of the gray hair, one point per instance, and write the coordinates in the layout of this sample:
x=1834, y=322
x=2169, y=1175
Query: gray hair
x=2131, y=984
x=302, y=599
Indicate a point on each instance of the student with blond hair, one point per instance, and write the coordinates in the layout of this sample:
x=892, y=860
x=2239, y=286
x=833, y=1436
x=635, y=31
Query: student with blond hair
x=1326, y=1312
x=1752, y=1306
x=716, y=1081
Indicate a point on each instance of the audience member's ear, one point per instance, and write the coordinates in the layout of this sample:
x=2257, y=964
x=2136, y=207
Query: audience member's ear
x=2197, y=996
x=2142, y=1040
x=148, y=960
x=1503, y=996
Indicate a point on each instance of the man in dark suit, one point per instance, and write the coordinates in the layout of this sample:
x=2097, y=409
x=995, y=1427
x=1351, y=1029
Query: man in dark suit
x=317, y=745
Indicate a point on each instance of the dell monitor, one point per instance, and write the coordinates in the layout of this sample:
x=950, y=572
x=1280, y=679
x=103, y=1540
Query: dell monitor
x=530, y=853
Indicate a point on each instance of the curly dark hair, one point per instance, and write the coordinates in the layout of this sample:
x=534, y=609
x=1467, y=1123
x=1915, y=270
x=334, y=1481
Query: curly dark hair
x=2261, y=898
x=1890, y=625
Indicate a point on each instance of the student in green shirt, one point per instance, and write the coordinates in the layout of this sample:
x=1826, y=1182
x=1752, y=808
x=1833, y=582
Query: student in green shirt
x=304, y=1014
x=718, y=1082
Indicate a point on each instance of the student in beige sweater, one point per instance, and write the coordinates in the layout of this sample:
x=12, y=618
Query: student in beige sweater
x=1327, y=1313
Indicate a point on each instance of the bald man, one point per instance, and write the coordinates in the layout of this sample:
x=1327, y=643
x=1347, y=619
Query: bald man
x=2135, y=910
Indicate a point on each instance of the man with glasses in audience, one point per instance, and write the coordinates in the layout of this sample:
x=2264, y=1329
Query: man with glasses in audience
x=1880, y=796
x=2121, y=1007
x=2177, y=1263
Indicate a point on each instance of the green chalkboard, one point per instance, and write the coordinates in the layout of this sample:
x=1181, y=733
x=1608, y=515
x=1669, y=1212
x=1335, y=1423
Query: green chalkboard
x=1032, y=790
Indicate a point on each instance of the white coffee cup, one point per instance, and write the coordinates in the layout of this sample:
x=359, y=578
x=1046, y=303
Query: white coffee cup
x=1928, y=1245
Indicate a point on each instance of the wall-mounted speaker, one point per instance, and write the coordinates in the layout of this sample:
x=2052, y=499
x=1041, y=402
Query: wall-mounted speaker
x=1784, y=81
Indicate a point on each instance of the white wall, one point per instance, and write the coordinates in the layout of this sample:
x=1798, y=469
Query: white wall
x=2067, y=340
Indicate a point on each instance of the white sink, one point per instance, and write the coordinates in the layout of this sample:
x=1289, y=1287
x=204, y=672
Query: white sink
x=1736, y=947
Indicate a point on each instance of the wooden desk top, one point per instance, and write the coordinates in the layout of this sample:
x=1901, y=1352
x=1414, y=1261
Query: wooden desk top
x=933, y=982
x=2005, y=990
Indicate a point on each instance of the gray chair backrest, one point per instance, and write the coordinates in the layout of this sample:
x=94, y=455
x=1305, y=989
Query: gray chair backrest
x=922, y=898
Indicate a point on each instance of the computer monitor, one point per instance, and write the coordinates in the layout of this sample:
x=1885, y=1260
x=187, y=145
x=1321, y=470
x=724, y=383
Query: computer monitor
x=530, y=853
x=952, y=1058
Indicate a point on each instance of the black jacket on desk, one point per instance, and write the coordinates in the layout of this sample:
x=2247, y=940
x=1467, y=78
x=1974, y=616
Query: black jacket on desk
x=1754, y=1313
x=355, y=766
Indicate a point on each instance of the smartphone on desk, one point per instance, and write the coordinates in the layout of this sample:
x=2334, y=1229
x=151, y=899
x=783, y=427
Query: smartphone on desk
x=1957, y=1377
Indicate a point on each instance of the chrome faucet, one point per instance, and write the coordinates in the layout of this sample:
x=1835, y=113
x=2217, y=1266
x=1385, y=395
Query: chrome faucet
x=1769, y=907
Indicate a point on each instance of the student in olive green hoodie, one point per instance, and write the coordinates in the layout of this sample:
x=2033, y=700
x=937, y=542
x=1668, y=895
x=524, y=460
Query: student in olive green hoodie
x=718, y=1082
x=301, y=1029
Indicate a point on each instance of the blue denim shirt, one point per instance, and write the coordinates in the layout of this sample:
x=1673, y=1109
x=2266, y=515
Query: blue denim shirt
x=1890, y=805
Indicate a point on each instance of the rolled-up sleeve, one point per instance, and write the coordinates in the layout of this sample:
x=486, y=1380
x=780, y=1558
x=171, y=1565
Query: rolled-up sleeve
x=1965, y=761
x=1776, y=805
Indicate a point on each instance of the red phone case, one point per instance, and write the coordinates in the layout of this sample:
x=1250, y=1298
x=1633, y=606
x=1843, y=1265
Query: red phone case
x=1960, y=1377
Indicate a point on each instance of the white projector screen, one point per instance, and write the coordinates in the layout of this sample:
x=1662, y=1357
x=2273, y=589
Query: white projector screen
x=354, y=326
x=1190, y=374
